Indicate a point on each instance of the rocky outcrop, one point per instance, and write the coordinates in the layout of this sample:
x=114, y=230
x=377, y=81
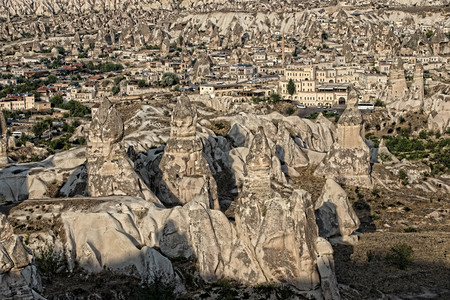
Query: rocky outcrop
x=258, y=165
x=3, y=142
x=107, y=239
x=335, y=216
x=202, y=66
x=438, y=109
x=348, y=161
x=273, y=238
x=397, y=88
x=417, y=87
x=110, y=171
x=41, y=179
x=186, y=173
x=268, y=234
x=18, y=274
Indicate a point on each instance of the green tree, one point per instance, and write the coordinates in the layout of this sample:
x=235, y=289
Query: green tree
x=90, y=65
x=141, y=83
x=429, y=33
x=423, y=134
x=291, y=87
x=115, y=90
x=275, y=98
x=39, y=128
x=400, y=255
x=22, y=140
x=169, y=79
x=56, y=101
x=76, y=108
x=61, y=50
x=52, y=78
x=118, y=79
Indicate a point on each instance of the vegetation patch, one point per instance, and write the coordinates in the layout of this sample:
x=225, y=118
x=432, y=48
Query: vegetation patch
x=400, y=255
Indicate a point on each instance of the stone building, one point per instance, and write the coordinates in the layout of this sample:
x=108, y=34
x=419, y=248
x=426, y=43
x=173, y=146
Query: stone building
x=314, y=86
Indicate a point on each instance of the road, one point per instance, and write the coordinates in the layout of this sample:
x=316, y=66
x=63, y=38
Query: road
x=304, y=112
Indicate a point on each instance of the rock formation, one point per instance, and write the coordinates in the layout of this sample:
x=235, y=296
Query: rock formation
x=3, y=141
x=349, y=159
x=185, y=172
x=258, y=164
x=110, y=171
x=335, y=216
x=18, y=275
x=202, y=66
x=273, y=238
x=417, y=87
x=397, y=82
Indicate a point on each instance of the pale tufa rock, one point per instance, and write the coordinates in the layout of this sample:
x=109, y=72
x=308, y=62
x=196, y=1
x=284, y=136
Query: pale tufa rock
x=186, y=173
x=18, y=274
x=110, y=171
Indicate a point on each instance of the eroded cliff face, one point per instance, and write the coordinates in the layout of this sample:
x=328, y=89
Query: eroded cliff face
x=268, y=234
x=3, y=142
x=43, y=7
x=262, y=230
x=19, y=278
x=186, y=174
x=109, y=170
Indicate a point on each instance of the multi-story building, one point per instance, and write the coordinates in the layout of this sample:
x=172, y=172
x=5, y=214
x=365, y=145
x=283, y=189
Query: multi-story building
x=17, y=102
x=314, y=86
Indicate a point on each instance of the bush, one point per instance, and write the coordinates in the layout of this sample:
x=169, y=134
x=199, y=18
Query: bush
x=385, y=156
x=403, y=176
x=169, y=79
x=376, y=192
x=380, y=103
x=290, y=110
x=410, y=229
x=313, y=116
x=370, y=255
x=275, y=98
x=50, y=262
x=423, y=135
x=157, y=290
x=400, y=255
x=256, y=100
